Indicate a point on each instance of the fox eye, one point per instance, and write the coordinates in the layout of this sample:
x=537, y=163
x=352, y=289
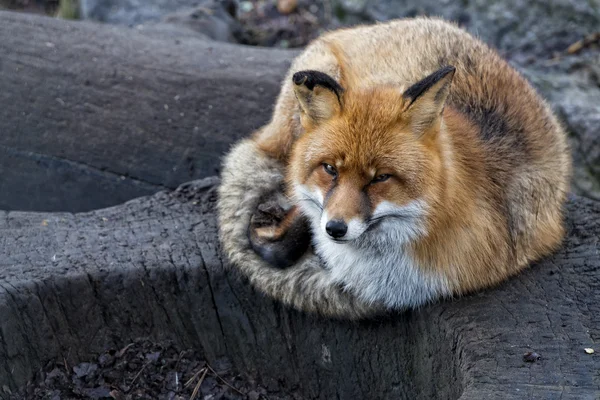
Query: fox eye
x=330, y=169
x=381, y=178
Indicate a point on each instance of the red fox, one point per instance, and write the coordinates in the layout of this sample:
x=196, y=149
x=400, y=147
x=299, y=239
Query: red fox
x=426, y=166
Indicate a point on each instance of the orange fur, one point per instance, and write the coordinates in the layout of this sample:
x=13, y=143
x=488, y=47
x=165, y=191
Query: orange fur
x=484, y=152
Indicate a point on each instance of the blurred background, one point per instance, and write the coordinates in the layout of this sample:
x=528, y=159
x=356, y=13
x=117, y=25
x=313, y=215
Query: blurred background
x=530, y=28
x=554, y=43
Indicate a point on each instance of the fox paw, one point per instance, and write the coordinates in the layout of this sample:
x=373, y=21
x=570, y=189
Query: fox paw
x=278, y=235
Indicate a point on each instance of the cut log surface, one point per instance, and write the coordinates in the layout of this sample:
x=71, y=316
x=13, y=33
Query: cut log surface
x=94, y=115
x=72, y=284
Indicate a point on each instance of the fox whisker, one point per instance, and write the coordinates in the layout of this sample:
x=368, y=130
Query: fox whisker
x=311, y=200
x=384, y=216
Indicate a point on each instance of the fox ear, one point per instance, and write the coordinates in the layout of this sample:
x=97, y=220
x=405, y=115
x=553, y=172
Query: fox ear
x=425, y=99
x=319, y=95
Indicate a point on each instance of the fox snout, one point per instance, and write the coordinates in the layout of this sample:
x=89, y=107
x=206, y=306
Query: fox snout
x=340, y=215
x=341, y=229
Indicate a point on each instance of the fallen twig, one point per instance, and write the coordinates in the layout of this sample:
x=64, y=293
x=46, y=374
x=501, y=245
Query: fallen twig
x=197, y=388
x=138, y=374
x=587, y=41
x=193, y=378
x=123, y=350
x=223, y=380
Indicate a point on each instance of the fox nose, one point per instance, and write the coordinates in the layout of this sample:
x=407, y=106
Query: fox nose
x=336, y=229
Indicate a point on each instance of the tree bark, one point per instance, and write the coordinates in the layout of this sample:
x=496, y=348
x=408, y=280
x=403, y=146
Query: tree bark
x=71, y=284
x=94, y=115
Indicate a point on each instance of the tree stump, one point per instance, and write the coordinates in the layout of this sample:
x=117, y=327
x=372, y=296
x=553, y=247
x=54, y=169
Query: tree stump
x=72, y=284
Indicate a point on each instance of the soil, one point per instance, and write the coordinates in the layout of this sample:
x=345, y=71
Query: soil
x=143, y=370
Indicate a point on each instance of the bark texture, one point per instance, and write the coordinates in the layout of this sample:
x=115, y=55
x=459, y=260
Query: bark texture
x=71, y=284
x=94, y=115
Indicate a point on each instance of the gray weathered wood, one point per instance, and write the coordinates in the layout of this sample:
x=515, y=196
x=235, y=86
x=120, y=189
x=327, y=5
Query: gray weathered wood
x=94, y=115
x=83, y=123
x=71, y=284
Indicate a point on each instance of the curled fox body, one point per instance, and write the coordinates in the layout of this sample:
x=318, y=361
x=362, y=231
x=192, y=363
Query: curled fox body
x=426, y=166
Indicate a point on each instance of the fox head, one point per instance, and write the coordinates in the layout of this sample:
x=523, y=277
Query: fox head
x=368, y=157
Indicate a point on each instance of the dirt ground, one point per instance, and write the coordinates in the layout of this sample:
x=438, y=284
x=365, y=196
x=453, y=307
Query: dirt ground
x=143, y=370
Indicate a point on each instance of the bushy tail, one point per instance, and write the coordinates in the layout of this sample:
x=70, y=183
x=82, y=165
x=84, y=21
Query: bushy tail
x=248, y=176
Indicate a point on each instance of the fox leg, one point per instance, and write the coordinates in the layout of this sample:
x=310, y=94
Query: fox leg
x=277, y=231
x=283, y=243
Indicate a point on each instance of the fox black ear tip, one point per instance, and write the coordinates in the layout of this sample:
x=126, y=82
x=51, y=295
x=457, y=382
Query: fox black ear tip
x=299, y=78
x=449, y=69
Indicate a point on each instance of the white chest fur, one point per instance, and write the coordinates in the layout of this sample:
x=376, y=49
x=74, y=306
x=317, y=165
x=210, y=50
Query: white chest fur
x=376, y=267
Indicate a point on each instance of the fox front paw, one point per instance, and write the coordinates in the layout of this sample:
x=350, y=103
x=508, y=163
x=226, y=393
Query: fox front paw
x=278, y=236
